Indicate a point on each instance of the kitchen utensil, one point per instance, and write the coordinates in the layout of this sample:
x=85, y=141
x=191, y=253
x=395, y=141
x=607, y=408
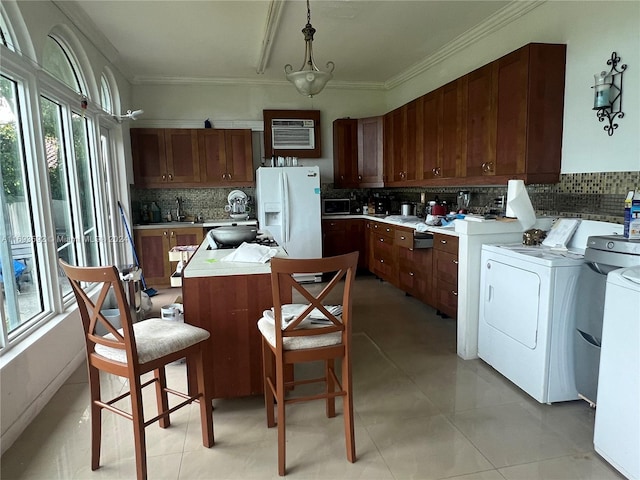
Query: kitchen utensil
x=438, y=210
x=233, y=235
x=236, y=194
x=463, y=199
x=407, y=209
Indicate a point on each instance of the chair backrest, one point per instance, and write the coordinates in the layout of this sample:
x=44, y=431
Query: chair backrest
x=90, y=310
x=337, y=292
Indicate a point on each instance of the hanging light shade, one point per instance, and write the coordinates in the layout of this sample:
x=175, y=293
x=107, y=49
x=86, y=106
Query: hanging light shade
x=309, y=80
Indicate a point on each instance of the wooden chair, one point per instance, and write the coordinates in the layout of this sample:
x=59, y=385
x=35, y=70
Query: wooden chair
x=304, y=339
x=129, y=352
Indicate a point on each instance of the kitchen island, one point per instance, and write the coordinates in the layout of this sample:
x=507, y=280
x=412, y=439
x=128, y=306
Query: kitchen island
x=227, y=299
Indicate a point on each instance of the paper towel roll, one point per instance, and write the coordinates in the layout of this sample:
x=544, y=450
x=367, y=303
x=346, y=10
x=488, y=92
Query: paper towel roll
x=519, y=204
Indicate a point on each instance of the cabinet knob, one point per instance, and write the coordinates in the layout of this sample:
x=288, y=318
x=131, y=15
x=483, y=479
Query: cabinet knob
x=455, y=262
x=165, y=233
x=487, y=167
x=341, y=177
x=381, y=261
x=388, y=229
x=444, y=242
x=381, y=239
x=164, y=177
x=170, y=177
x=411, y=274
x=454, y=293
x=436, y=171
x=173, y=234
x=402, y=237
x=228, y=176
x=359, y=177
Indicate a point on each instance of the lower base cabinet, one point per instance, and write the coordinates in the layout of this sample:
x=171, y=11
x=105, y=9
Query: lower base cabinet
x=429, y=274
x=344, y=236
x=445, y=269
x=152, y=248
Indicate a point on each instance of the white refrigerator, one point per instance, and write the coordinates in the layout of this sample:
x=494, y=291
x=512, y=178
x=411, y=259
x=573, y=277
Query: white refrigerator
x=288, y=207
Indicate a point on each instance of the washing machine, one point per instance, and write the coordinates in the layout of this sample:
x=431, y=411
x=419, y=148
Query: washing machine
x=617, y=427
x=527, y=313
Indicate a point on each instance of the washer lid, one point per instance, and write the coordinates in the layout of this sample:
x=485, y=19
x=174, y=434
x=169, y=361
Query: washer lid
x=614, y=243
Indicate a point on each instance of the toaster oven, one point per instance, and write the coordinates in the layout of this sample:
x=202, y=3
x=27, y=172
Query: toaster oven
x=336, y=206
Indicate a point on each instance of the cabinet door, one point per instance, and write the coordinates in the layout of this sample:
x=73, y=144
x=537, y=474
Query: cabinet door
x=395, y=148
x=239, y=153
x=511, y=116
x=480, y=124
x=152, y=247
x=428, y=134
x=149, y=156
x=213, y=156
x=370, y=152
x=183, y=161
x=345, y=153
x=413, y=141
x=450, y=128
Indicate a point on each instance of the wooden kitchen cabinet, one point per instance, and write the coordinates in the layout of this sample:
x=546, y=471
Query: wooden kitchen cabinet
x=450, y=127
x=165, y=157
x=340, y=236
x=345, y=153
x=226, y=157
x=414, y=266
x=358, y=152
x=153, y=245
x=513, y=116
x=383, y=258
x=371, y=152
x=445, y=274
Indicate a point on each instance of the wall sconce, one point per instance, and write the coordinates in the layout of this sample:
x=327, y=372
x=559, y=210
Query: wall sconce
x=607, y=100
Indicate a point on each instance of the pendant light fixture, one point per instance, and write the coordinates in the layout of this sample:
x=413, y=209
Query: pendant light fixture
x=309, y=80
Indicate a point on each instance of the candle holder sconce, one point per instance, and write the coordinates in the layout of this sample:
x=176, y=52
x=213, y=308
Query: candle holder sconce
x=608, y=94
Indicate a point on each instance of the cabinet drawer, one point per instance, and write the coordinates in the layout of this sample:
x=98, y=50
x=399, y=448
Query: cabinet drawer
x=446, y=267
x=445, y=243
x=403, y=238
x=383, y=229
x=333, y=225
x=447, y=300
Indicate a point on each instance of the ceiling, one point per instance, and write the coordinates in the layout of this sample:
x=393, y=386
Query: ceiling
x=372, y=42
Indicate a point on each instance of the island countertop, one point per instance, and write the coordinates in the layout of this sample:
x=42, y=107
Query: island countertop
x=208, y=263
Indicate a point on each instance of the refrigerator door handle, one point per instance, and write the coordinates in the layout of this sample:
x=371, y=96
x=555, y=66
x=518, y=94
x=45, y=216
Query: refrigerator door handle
x=285, y=207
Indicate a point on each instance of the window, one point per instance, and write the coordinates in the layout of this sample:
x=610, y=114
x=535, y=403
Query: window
x=105, y=95
x=68, y=165
x=19, y=273
x=5, y=34
x=60, y=64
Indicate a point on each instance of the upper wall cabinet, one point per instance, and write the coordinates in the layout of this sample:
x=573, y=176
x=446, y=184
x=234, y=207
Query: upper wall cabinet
x=164, y=158
x=226, y=157
x=357, y=152
x=513, y=110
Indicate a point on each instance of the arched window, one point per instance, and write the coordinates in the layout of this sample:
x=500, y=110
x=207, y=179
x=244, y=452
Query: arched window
x=5, y=33
x=58, y=61
x=106, y=99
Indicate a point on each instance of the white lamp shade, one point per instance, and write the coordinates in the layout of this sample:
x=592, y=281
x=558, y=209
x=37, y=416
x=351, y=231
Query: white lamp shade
x=309, y=82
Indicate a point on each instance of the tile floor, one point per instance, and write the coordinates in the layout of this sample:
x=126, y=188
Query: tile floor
x=421, y=413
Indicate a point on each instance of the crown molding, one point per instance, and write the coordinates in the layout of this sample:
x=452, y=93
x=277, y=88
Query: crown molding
x=506, y=15
x=255, y=125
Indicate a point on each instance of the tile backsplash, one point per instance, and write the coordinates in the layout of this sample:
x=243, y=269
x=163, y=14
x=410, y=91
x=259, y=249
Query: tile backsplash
x=592, y=196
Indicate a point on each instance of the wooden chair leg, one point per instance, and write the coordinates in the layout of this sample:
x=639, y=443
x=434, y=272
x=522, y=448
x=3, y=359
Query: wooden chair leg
x=206, y=407
x=330, y=388
x=282, y=441
x=162, y=399
x=138, y=429
x=347, y=402
x=268, y=373
x=96, y=417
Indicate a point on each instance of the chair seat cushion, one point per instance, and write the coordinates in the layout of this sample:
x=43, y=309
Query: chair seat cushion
x=156, y=338
x=267, y=329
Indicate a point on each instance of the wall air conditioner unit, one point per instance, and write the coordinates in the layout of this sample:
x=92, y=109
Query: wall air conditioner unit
x=292, y=134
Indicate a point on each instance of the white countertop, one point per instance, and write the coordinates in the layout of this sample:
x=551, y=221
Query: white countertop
x=409, y=224
x=207, y=263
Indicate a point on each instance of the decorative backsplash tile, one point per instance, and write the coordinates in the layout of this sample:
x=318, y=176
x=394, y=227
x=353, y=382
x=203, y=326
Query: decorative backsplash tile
x=592, y=196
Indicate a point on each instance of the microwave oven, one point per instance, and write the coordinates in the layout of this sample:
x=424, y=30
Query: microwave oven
x=336, y=206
